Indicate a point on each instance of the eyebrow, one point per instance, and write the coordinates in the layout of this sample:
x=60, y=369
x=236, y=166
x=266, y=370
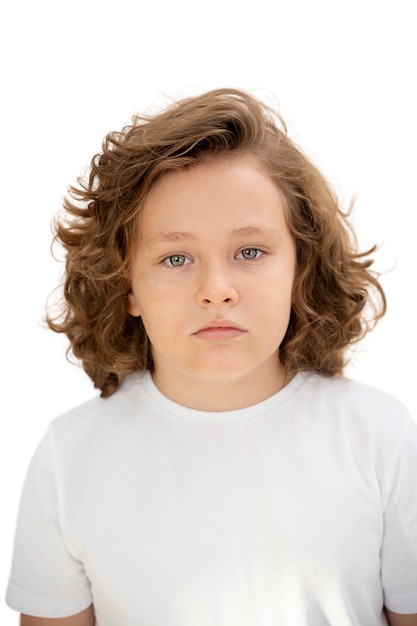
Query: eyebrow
x=245, y=231
x=168, y=237
x=255, y=231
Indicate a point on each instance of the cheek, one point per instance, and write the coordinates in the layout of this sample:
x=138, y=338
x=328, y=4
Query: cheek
x=159, y=316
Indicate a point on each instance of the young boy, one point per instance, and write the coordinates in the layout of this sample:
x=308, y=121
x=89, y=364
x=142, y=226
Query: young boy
x=229, y=475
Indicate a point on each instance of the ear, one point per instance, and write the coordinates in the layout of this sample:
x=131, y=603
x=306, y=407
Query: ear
x=132, y=305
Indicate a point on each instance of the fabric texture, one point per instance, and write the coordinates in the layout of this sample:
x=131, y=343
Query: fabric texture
x=300, y=510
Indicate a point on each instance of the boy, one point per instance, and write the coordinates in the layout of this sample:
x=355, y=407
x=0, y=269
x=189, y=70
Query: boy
x=229, y=474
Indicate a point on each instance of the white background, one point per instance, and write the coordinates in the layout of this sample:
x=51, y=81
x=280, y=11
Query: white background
x=344, y=77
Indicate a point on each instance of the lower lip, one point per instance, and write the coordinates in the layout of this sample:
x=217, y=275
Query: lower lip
x=219, y=333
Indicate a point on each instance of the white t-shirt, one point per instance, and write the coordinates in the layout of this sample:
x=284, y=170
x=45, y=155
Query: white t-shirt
x=299, y=511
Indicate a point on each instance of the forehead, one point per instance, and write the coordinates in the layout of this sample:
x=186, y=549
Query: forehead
x=236, y=164
x=231, y=192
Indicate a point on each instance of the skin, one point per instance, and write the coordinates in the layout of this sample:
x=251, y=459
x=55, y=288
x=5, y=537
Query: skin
x=85, y=618
x=215, y=247
x=396, y=619
x=234, y=261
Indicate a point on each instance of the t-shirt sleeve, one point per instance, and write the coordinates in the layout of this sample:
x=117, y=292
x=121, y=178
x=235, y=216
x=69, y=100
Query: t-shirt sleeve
x=46, y=579
x=399, y=549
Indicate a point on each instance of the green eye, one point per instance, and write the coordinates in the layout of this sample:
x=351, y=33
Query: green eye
x=249, y=254
x=177, y=260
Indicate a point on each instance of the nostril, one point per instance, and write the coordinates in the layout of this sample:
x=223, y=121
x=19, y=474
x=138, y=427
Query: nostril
x=225, y=300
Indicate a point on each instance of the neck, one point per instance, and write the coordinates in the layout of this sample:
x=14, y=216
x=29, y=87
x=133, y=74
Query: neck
x=224, y=395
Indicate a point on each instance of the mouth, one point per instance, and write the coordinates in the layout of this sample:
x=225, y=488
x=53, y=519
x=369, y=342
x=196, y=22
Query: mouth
x=218, y=330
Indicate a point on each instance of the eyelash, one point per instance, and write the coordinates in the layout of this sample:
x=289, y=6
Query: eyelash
x=259, y=253
x=168, y=260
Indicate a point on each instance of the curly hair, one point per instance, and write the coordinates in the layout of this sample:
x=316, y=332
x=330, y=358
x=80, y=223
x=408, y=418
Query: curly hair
x=333, y=283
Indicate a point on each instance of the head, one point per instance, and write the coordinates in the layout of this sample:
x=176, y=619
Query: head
x=100, y=229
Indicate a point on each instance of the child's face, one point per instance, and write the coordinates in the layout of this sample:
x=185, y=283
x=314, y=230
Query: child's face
x=212, y=280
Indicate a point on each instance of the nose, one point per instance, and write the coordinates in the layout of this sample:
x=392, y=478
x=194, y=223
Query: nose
x=217, y=286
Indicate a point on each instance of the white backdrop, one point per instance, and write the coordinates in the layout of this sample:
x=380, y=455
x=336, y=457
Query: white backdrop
x=344, y=76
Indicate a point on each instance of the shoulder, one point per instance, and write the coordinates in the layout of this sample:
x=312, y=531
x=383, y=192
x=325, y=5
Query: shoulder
x=351, y=405
x=98, y=422
x=128, y=396
x=352, y=395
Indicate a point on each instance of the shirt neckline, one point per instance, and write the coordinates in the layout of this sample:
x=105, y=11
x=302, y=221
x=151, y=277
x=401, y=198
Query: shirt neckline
x=221, y=417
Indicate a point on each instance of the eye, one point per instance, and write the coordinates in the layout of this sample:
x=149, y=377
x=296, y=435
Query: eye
x=249, y=254
x=176, y=260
